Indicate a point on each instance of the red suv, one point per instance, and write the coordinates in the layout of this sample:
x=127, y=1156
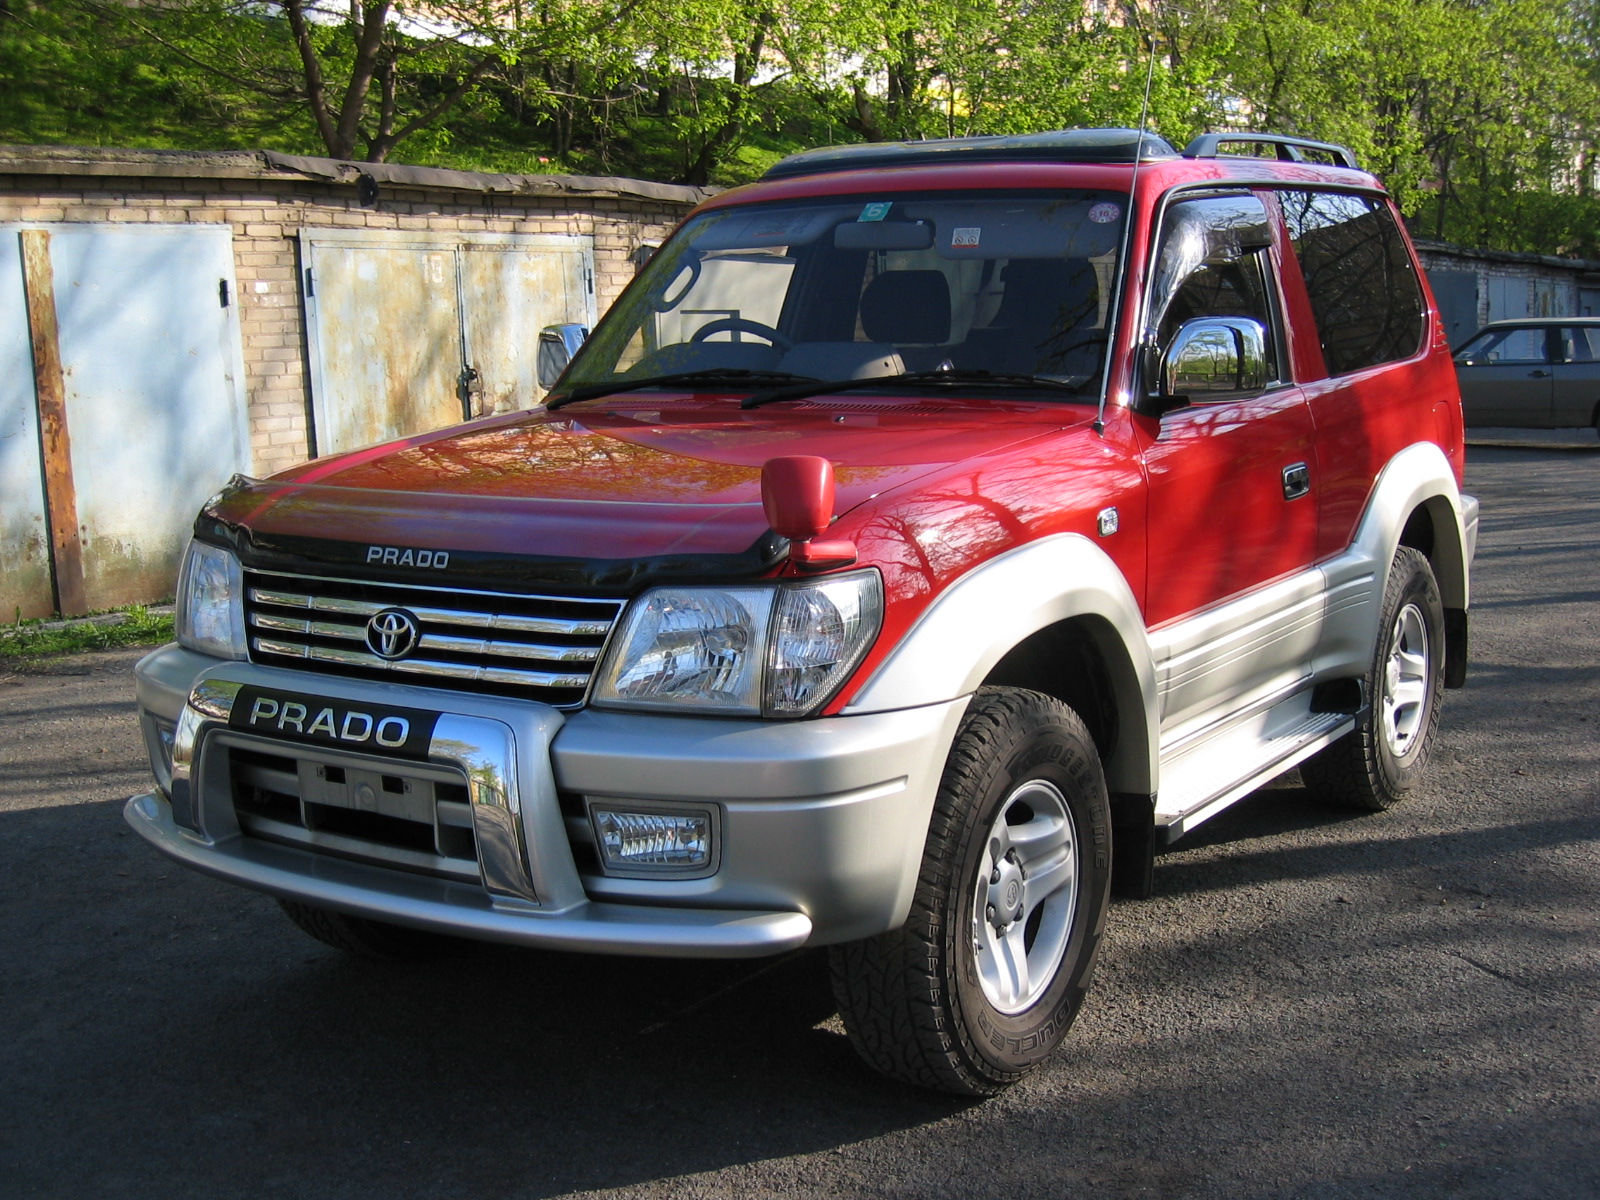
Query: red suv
x=929, y=534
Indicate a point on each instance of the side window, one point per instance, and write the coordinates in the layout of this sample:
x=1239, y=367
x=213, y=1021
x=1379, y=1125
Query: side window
x=1505, y=346
x=1212, y=263
x=1582, y=342
x=1360, y=278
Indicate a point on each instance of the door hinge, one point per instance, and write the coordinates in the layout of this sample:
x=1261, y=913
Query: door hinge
x=469, y=387
x=222, y=292
x=310, y=291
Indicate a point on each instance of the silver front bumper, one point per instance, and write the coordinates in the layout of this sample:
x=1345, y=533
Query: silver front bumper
x=821, y=822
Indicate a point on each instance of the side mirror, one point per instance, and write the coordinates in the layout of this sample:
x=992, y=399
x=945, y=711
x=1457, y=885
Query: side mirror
x=557, y=345
x=1215, y=356
x=797, y=494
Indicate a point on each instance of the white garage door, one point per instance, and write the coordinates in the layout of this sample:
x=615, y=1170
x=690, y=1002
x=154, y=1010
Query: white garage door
x=143, y=378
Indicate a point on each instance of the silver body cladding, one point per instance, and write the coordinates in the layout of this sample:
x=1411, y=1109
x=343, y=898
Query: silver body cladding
x=819, y=824
x=811, y=815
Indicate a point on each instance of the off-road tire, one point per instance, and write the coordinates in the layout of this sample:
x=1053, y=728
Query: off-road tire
x=1366, y=769
x=363, y=937
x=912, y=1000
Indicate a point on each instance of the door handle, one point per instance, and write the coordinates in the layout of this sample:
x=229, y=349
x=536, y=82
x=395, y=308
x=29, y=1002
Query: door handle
x=1296, y=481
x=1538, y=374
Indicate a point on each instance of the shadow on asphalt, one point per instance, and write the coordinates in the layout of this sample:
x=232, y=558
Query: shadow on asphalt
x=176, y=1032
x=193, y=1036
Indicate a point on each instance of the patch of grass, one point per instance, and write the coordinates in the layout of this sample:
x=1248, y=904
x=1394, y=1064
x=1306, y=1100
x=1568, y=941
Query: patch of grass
x=135, y=625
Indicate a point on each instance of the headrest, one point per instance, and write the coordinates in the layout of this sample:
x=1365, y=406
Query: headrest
x=1039, y=288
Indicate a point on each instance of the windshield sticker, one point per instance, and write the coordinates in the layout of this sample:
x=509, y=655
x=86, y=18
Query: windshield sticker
x=1104, y=213
x=876, y=211
x=966, y=236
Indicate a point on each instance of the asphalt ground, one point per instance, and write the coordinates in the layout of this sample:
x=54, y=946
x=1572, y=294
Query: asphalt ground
x=1314, y=1004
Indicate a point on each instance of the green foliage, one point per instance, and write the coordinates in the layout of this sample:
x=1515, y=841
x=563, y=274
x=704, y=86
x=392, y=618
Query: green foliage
x=22, y=641
x=1480, y=115
x=85, y=74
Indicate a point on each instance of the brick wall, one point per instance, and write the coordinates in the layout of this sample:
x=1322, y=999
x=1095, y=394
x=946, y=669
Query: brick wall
x=268, y=199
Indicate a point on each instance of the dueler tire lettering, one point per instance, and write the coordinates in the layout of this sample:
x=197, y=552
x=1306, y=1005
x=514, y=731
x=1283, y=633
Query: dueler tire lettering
x=1380, y=761
x=989, y=970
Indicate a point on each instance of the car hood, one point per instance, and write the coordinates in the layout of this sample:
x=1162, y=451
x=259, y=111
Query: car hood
x=669, y=476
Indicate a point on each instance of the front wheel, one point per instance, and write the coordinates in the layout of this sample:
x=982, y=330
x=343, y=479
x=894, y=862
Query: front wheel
x=1379, y=762
x=989, y=970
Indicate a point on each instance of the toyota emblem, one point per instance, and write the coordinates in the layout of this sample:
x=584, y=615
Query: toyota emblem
x=392, y=633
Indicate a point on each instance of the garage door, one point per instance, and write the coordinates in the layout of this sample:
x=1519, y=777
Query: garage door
x=412, y=332
x=119, y=407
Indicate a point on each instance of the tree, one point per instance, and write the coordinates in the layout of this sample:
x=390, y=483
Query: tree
x=369, y=74
x=1482, y=116
x=1477, y=114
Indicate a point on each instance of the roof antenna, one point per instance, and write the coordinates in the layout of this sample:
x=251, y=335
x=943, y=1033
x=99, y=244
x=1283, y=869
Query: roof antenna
x=1127, y=227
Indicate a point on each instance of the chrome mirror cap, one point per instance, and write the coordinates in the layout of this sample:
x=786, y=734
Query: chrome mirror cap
x=1215, y=356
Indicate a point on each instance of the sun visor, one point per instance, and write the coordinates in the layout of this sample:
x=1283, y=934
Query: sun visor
x=754, y=228
x=1082, y=228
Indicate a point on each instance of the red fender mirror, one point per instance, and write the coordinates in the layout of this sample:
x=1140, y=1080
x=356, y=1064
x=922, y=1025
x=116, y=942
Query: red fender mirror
x=797, y=495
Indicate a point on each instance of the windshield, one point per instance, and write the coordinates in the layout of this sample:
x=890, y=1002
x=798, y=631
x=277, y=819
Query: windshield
x=873, y=287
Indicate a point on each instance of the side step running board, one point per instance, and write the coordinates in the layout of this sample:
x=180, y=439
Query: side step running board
x=1211, y=773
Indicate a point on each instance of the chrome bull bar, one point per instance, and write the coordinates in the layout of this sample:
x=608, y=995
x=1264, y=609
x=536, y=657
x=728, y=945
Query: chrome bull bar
x=482, y=749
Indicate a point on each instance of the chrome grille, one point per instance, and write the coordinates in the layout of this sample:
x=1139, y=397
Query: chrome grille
x=539, y=647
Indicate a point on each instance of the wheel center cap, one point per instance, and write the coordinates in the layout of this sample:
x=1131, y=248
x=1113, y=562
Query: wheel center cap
x=1005, y=893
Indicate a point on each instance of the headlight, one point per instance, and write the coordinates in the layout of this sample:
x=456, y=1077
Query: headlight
x=779, y=650
x=690, y=649
x=820, y=631
x=211, y=602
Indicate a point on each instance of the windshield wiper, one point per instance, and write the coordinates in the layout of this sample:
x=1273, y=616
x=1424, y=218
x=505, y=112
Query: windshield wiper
x=801, y=391
x=591, y=391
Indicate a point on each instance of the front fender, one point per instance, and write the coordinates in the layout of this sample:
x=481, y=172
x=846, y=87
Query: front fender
x=964, y=633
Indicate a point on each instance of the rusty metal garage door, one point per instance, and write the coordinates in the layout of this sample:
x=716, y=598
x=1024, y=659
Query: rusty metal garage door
x=414, y=331
x=119, y=408
x=24, y=535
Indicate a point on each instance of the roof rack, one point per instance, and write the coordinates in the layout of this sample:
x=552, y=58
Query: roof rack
x=1289, y=149
x=1062, y=145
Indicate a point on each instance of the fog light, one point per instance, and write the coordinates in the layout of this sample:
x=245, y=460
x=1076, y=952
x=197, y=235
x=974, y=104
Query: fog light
x=654, y=841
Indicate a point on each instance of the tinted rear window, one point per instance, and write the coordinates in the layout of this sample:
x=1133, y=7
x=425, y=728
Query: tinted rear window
x=1363, y=287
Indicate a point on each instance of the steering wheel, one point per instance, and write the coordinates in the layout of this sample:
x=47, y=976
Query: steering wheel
x=742, y=325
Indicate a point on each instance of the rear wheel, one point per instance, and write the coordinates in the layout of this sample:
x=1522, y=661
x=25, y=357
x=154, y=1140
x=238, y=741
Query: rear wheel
x=989, y=970
x=362, y=936
x=1381, y=760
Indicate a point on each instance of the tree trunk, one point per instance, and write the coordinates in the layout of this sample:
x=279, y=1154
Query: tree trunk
x=746, y=62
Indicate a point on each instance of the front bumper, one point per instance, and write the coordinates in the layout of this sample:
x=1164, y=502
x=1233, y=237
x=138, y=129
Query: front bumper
x=821, y=822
